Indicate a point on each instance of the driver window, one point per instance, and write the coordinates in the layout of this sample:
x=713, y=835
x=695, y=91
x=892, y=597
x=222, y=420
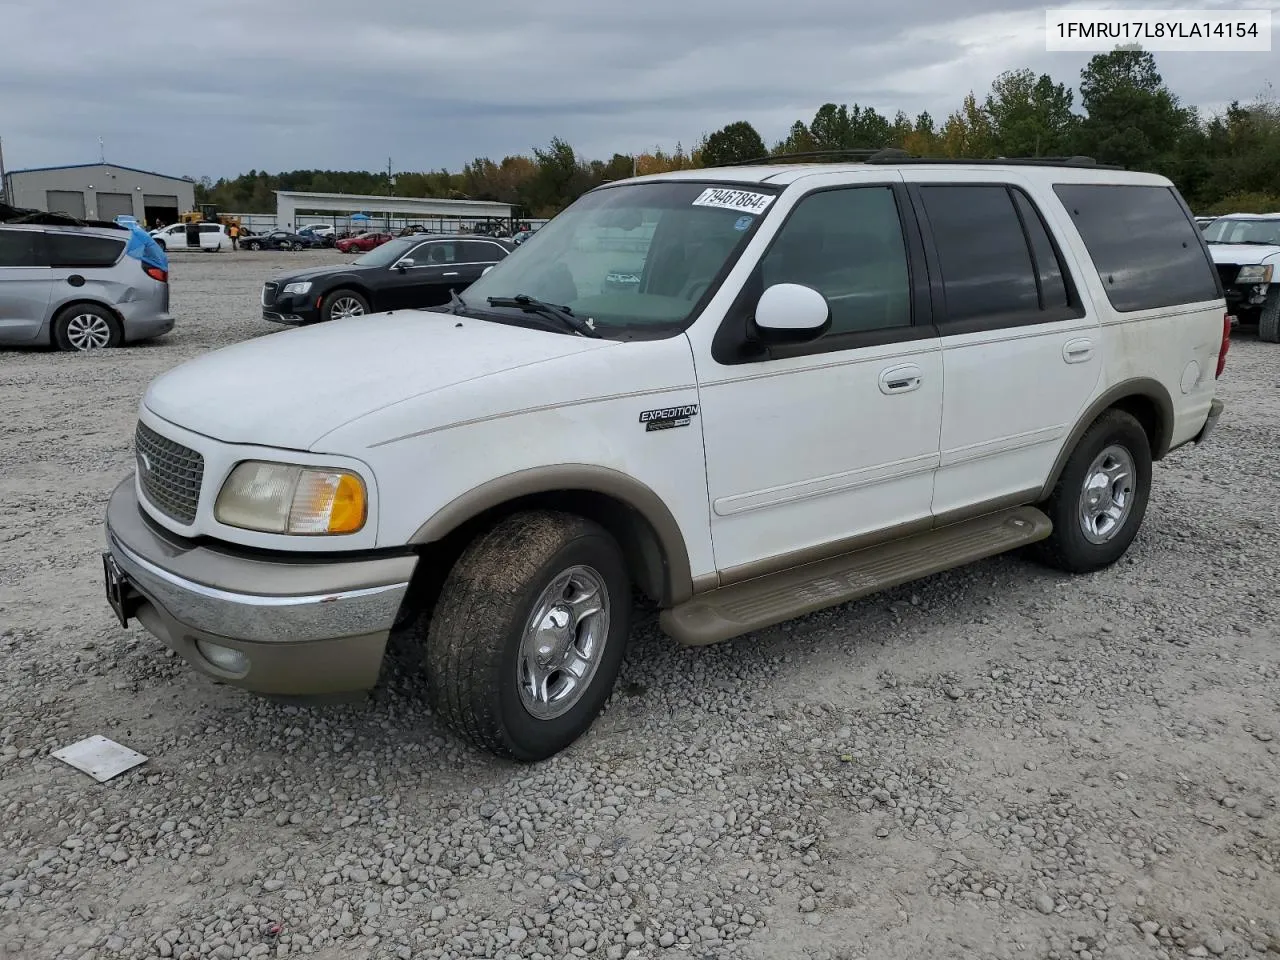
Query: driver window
x=434, y=254
x=848, y=245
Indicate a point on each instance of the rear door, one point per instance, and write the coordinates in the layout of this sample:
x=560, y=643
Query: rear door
x=1021, y=349
x=77, y=267
x=24, y=285
x=477, y=257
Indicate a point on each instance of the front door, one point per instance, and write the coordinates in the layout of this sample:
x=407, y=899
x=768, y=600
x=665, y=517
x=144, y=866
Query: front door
x=24, y=285
x=427, y=282
x=812, y=445
x=1021, y=353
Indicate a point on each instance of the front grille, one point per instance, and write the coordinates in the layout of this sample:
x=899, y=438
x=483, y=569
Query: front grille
x=170, y=474
x=269, y=291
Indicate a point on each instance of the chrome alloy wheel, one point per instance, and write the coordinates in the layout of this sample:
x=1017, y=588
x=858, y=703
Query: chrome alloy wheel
x=563, y=642
x=1106, y=499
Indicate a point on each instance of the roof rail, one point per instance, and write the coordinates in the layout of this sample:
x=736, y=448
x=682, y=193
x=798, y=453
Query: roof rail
x=892, y=155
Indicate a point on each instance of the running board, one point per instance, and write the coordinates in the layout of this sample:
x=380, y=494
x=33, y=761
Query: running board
x=740, y=608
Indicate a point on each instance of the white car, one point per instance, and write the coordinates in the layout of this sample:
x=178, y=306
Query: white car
x=213, y=236
x=828, y=380
x=1246, y=248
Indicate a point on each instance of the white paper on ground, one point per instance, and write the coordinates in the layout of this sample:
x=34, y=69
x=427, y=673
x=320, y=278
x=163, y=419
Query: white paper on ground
x=100, y=758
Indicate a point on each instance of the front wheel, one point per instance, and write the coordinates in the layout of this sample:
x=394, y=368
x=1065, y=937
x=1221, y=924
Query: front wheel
x=1099, y=501
x=254, y=246
x=1269, y=318
x=343, y=303
x=528, y=634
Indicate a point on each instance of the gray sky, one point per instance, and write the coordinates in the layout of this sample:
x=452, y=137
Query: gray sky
x=221, y=87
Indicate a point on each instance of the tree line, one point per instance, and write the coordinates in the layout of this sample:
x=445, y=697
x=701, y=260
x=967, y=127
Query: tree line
x=1127, y=115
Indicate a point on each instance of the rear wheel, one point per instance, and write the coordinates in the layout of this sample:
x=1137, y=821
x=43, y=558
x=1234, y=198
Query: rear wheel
x=253, y=245
x=85, y=326
x=1101, y=497
x=1269, y=318
x=343, y=303
x=528, y=633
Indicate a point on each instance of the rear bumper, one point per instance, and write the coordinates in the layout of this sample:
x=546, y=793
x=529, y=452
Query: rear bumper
x=1211, y=422
x=144, y=328
x=304, y=628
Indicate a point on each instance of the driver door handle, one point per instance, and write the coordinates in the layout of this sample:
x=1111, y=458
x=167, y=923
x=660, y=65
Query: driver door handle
x=452, y=273
x=900, y=379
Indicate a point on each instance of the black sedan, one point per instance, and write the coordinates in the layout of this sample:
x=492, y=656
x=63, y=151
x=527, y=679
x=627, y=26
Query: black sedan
x=404, y=273
x=280, y=240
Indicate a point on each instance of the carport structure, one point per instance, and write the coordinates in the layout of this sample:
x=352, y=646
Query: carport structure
x=381, y=210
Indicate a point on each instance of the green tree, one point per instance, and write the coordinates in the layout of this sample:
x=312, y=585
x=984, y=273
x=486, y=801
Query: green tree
x=1030, y=116
x=736, y=143
x=1132, y=118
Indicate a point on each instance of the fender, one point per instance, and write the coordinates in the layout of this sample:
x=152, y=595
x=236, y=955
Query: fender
x=1143, y=388
x=671, y=569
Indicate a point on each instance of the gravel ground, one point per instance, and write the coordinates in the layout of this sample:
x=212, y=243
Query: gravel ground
x=996, y=762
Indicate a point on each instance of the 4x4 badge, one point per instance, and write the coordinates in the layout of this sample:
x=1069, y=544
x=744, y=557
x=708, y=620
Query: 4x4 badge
x=669, y=417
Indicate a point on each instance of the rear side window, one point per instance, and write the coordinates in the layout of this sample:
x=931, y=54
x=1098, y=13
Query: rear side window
x=210, y=228
x=18, y=248
x=82, y=250
x=986, y=265
x=1147, y=250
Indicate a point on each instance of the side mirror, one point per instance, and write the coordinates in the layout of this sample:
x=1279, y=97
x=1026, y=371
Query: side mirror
x=405, y=264
x=792, y=313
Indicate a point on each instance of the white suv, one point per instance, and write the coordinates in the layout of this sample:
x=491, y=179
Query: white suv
x=828, y=379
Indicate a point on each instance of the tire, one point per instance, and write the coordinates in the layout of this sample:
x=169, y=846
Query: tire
x=254, y=246
x=479, y=650
x=295, y=246
x=1269, y=318
x=86, y=326
x=161, y=244
x=1114, y=455
x=343, y=303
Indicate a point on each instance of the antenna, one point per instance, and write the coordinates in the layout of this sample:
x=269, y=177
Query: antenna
x=102, y=152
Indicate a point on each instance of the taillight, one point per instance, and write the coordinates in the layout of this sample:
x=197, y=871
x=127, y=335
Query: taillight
x=1226, y=344
x=155, y=273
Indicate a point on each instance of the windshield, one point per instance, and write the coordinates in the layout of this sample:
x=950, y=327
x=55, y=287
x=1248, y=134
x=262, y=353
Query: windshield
x=639, y=256
x=1243, y=231
x=388, y=253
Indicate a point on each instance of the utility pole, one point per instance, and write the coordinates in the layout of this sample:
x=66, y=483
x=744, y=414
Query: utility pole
x=102, y=152
x=633, y=164
x=3, y=190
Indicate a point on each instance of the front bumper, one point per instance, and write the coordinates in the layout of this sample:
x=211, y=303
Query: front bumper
x=292, y=310
x=304, y=628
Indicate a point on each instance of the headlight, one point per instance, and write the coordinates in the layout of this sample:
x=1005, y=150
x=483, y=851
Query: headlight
x=1258, y=273
x=303, y=286
x=285, y=498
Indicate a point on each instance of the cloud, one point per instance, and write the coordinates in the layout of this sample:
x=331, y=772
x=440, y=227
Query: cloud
x=218, y=89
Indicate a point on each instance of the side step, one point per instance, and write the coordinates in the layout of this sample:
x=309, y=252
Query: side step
x=754, y=604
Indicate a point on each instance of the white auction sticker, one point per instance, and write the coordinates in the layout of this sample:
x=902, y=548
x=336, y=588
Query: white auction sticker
x=727, y=199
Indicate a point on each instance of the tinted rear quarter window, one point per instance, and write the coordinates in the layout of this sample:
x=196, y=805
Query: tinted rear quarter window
x=82, y=250
x=1146, y=249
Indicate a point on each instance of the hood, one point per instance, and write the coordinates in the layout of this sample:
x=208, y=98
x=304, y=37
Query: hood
x=1243, y=253
x=289, y=389
x=330, y=271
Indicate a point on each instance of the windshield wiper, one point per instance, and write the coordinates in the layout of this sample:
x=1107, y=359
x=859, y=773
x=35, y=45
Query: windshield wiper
x=563, y=315
x=456, y=303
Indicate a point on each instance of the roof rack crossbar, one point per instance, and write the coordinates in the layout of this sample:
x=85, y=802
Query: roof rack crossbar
x=892, y=155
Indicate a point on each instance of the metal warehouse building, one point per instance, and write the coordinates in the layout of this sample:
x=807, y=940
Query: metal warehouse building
x=101, y=191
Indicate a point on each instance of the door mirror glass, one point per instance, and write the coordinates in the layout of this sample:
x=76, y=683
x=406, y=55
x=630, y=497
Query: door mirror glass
x=792, y=312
